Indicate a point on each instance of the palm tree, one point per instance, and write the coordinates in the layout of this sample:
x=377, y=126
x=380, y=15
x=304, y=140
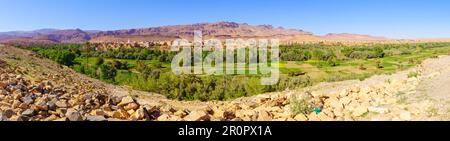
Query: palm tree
x=87, y=49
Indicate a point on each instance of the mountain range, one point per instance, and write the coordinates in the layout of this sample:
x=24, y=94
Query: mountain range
x=219, y=30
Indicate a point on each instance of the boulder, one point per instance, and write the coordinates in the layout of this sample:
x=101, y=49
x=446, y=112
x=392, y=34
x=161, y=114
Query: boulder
x=126, y=100
x=119, y=114
x=27, y=100
x=29, y=112
x=378, y=109
x=139, y=114
x=263, y=115
x=344, y=93
x=8, y=113
x=62, y=119
x=19, y=118
x=51, y=118
x=181, y=113
x=166, y=117
x=131, y=106
x=167, y=109
x=95, y=118
x=247, y=115
x=73, y=115
x=300, y=117
x=98, y=112
x=359, y=111
x=61, y=104
x=3, y=117
x=323, y=117
x=313, y=117
x=3, y=85
x=197, y=116
x=229, y=115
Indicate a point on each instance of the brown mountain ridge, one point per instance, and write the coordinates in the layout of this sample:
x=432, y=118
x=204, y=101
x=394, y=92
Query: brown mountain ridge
x=219, y=30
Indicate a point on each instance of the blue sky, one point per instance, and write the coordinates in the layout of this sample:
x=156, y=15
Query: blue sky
x=390, y=18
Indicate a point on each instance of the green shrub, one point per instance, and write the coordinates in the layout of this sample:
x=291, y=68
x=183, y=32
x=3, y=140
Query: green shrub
x=99, y=61
x=107, y=72
x=302, y=105
x=378, y=64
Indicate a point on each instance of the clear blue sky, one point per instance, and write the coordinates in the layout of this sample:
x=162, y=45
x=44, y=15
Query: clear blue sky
x=390, y=18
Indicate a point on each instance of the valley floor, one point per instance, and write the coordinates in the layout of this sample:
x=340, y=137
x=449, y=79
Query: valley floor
x=34, y=88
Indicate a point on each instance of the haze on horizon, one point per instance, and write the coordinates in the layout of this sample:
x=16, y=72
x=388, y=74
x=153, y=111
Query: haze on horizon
x=388, y=18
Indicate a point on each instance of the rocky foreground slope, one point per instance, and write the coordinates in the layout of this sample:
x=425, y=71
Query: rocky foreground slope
x=36, y=89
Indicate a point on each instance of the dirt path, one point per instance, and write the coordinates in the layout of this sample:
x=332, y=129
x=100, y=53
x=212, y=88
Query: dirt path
x=437, y=87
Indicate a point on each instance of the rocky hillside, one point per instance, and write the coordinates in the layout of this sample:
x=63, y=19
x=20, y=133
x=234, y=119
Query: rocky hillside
x=18, y=34
x=209, y=30
x=33, y=88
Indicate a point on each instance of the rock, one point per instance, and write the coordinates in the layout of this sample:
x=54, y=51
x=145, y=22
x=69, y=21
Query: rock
x=333, y=103
x=95, y=118
x=62, y=119
x=344, y=93
x=28, y=112
x=405, y=116
x=98, y=112
x=166, y=117
x=247, y=115
x=355, y=89
x=323, y=117
x=167, y=109
x=359, y=111
x=27, y=100
x=3, y=85
x=51, y=118
x=51, y=104
x=23, y=106
x=8, y=113
x=381, y=118
x=119, y=114
x=3, y=117
x=328, y=112
x=61, y=104
x=125, y=100
x=73, y=115
x=41, y=105
x=338, y=112
x=61, y=112
x=300, y=117
x=229, y=115
x=262, y=98
x=130, y=111
x=345, y=101
x=139, y=114
x=3, y=92
x=19, y=118
x=264, y=116
x=131, y=106
x=313, y=117
x=197, y=116
x=378, y=109
x=3, y=64
x=180, y=113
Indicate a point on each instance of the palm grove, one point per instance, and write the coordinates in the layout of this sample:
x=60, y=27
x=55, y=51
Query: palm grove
x=148, y=69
